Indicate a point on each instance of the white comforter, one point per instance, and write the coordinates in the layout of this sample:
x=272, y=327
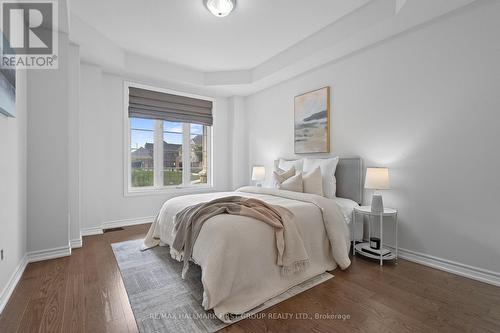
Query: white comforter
x=238, y=256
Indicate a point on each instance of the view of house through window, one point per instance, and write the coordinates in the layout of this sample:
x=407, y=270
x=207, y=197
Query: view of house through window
x=142, y=133
x=172, y=153
x=198, y=154
x=183, y=150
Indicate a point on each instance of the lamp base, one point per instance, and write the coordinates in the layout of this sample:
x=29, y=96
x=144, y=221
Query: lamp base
x=377, y=204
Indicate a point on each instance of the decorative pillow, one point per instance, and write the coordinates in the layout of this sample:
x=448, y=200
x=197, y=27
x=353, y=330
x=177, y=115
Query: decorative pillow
x=293, y=184
x=328, y=167
x=279, y=176
x=286, y=165
x=313, y=182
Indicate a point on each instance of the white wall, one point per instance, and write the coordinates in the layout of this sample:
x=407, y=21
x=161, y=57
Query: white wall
x=91, y=116
x=238, y=137
x=73, y=143
x=101, y=132
x=47, y=151
x=425, y=104
x=13, y=187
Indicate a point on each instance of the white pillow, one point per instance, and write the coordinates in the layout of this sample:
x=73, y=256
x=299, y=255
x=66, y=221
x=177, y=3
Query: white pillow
x=328, y=167
x=287, y=165
x=313, y=182
x=279, y=176
x=293, y=184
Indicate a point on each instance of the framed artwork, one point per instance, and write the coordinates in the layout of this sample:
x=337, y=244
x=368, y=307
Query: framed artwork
x=8, y=92
x=312, y=122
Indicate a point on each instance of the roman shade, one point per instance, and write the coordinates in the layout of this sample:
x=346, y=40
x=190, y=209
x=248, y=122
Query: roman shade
x=157, y=105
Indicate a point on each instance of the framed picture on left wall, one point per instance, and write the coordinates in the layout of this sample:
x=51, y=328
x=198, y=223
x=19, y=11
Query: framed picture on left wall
x=8, y=92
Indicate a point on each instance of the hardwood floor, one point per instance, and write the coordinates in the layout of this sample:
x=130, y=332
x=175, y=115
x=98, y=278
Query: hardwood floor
x=85, y=293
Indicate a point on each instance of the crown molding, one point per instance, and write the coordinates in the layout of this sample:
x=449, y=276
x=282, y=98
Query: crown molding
x=367, y=26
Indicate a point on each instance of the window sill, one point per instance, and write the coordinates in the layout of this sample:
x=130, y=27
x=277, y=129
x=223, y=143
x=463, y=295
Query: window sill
x=169, y=190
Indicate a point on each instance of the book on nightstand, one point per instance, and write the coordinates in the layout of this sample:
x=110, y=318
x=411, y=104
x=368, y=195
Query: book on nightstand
x=375, y=252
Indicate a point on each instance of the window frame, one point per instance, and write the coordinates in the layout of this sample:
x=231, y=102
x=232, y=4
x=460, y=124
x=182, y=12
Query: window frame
x=158, y=187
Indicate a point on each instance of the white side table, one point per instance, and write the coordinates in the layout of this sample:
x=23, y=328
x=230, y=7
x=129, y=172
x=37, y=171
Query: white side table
x=367, y=211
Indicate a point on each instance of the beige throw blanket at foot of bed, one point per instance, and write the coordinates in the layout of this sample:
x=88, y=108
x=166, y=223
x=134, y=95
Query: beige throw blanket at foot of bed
x=292, y=255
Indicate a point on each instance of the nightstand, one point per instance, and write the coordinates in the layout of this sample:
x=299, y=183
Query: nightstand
x=358, y=248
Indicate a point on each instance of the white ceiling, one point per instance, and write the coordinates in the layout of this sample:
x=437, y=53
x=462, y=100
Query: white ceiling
x=184, y=32
x=264, y=42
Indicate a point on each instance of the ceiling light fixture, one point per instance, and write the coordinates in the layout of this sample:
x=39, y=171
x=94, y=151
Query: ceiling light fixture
x=220, y=8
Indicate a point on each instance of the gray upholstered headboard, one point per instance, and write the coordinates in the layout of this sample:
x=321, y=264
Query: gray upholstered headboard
x=349, y=176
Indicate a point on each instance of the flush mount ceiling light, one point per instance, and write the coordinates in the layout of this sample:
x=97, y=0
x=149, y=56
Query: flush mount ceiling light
x=220, y=8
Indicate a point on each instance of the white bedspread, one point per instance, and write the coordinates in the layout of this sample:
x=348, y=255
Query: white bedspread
x=237, y=255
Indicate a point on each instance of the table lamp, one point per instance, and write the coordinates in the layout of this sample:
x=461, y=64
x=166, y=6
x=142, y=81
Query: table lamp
x=377, y=179
x=258, y=174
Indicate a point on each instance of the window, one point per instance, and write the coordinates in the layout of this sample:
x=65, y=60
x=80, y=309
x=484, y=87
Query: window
x=173, y=138
x=142, y=133
x=198, y=153
x=167, y=152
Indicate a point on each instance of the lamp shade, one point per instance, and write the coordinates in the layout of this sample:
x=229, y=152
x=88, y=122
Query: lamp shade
x=377, y=178
x=258, y=173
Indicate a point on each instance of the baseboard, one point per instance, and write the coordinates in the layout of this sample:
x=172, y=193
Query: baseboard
x=76, y=243
x=54, y=253
x=91, y=231
x=116, y=224
x=127, y=222
x=449, y=266
x=12, y=283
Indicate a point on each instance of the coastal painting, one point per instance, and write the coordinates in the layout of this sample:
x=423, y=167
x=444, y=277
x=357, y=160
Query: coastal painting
x=8, y=92
x=7, y=87
x=312, y=122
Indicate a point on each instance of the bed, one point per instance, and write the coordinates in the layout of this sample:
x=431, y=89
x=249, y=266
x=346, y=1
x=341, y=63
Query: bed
x=235, y=253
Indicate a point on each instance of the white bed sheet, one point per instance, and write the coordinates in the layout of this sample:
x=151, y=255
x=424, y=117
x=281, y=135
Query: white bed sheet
x=347, y=207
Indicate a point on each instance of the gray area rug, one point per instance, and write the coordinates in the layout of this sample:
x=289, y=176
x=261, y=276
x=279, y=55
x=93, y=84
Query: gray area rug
x=163, y=302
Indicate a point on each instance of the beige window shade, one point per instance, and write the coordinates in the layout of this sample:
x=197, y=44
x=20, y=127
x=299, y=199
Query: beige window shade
x=157, y=105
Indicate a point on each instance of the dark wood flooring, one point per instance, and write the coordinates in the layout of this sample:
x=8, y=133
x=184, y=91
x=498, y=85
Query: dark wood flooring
x=85, y=293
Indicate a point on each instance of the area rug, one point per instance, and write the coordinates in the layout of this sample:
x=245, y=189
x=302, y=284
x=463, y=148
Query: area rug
x=162, y=302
